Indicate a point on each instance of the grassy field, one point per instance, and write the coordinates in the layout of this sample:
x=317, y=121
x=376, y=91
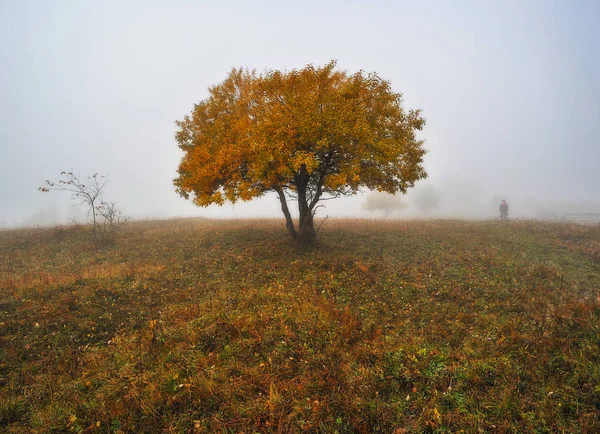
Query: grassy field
x=220, y=326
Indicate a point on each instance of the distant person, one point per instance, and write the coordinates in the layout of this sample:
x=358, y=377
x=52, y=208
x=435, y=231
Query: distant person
x=503, y=210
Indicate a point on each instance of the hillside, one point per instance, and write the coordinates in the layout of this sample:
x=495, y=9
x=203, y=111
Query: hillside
x=222, y=326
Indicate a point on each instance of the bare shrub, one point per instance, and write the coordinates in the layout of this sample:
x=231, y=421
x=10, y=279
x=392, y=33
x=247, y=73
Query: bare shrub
x=111, y=222
x=107, y=220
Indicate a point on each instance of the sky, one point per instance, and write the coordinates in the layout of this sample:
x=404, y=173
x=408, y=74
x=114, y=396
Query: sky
x=510, y=90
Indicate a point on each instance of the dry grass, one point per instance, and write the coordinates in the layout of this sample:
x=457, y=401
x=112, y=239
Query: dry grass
x=207, y=326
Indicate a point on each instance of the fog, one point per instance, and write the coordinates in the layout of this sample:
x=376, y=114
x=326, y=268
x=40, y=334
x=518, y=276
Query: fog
x=510, y=91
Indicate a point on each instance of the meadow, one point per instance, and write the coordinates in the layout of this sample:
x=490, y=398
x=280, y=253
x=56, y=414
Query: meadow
x=192, y=325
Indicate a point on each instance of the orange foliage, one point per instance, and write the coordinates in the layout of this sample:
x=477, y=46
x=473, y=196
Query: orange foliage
x=312, y=132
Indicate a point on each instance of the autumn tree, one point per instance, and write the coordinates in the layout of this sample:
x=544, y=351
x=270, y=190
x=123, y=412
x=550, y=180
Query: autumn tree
x=388, y=203
x=311, y=134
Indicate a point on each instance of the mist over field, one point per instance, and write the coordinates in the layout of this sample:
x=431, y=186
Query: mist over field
x=424, y=311
x=467, y=203
x=509, y=90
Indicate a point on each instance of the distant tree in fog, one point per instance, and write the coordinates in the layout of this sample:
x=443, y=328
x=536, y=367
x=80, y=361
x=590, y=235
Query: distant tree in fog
x=311, y=134
x=385, y=202
x=425, y=198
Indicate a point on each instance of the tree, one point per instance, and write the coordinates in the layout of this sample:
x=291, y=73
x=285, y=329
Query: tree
x=106, y=219
x=425, y=198
x=311, y=134
x=388, y=203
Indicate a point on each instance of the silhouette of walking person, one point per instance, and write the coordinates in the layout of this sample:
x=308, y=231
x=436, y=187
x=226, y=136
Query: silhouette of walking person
x=504, y=210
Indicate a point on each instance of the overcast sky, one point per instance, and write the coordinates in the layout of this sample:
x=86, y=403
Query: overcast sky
x=510, y=91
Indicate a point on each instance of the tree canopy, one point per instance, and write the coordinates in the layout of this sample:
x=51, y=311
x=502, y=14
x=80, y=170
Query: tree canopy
x=425, y=198
x=309, y=134
x=388, y=203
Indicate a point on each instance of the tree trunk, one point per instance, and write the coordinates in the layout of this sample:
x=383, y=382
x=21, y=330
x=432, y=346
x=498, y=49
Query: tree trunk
x=306, y=233
x=306, y=228
x=289, y=223
x=94, y=224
